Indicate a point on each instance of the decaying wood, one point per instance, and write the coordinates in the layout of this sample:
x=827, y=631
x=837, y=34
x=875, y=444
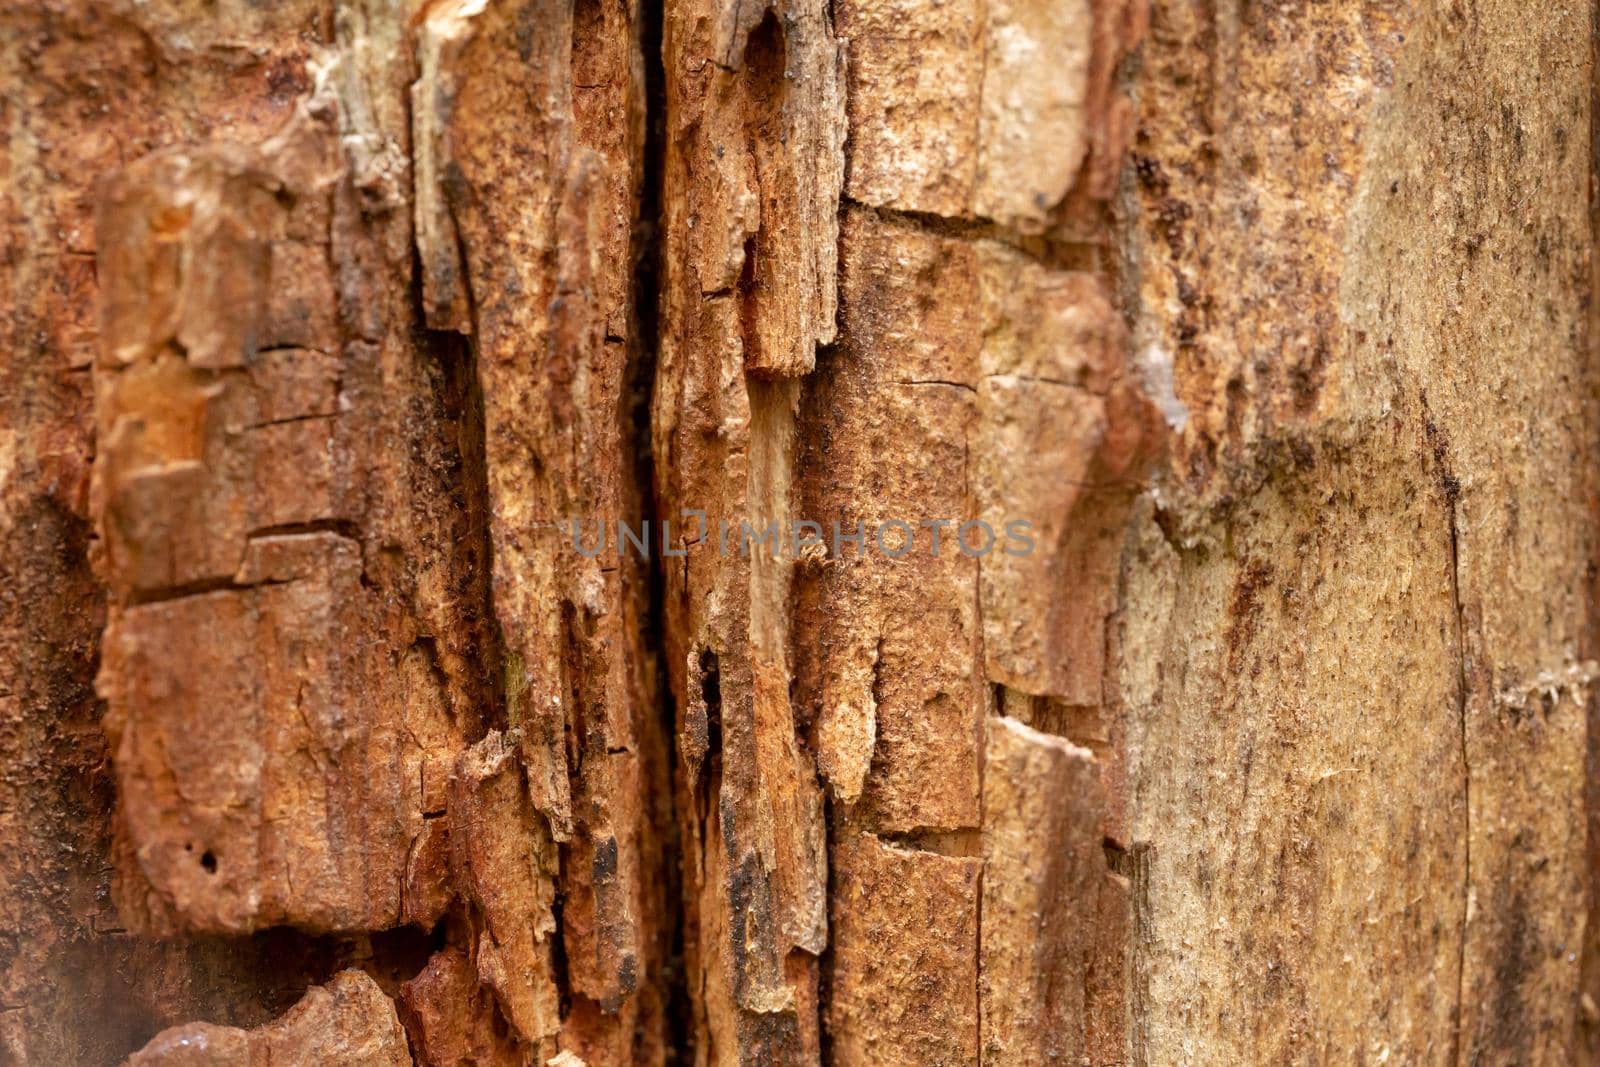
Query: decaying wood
x=974, y=318
x=339, y=326
x=754, y=162
x=318, y=707
x=232, y=494
x=530, y=127
x=89, y=88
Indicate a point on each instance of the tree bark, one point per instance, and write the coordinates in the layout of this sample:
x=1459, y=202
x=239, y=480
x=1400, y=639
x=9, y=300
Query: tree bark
x=871, y=533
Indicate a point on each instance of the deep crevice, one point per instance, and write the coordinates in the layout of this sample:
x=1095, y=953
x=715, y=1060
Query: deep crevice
x=1466, y=771
x=462, y=397
x=641, y=374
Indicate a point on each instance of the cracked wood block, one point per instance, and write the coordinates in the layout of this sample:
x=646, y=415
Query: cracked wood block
x=972, y=385
x=1064, y=440
x=1000, y=111
x=899, y=651
x=236, y=784
x=906, y=955
x=915, y=73
x=349, y=1021
x=284, y=659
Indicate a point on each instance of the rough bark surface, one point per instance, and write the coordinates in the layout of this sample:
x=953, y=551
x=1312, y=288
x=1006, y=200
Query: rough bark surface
x=1357, y=633
x=492, y=512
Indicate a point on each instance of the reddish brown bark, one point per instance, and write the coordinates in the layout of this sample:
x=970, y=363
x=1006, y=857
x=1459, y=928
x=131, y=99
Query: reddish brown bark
x=337, y=326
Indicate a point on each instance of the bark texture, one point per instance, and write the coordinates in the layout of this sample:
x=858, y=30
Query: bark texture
x=1357, y=644
x=493, y=497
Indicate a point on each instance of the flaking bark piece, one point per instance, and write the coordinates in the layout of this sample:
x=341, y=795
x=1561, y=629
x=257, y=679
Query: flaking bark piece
x=273, y=708
x=452, y=1019
x=1006, y=110
x=506, y=863
x=349, y=1022
x=764, y=114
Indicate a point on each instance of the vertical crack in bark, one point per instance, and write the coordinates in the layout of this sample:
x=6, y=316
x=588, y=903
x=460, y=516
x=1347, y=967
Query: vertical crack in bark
x=751, y=174
x=457, y=357
x=986, y=696
x=648, y=251
x=1450, y=490
x=1589, y=988
x=1466, y=775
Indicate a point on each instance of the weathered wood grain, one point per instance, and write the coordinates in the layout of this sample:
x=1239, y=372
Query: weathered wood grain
x=1119, y=584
